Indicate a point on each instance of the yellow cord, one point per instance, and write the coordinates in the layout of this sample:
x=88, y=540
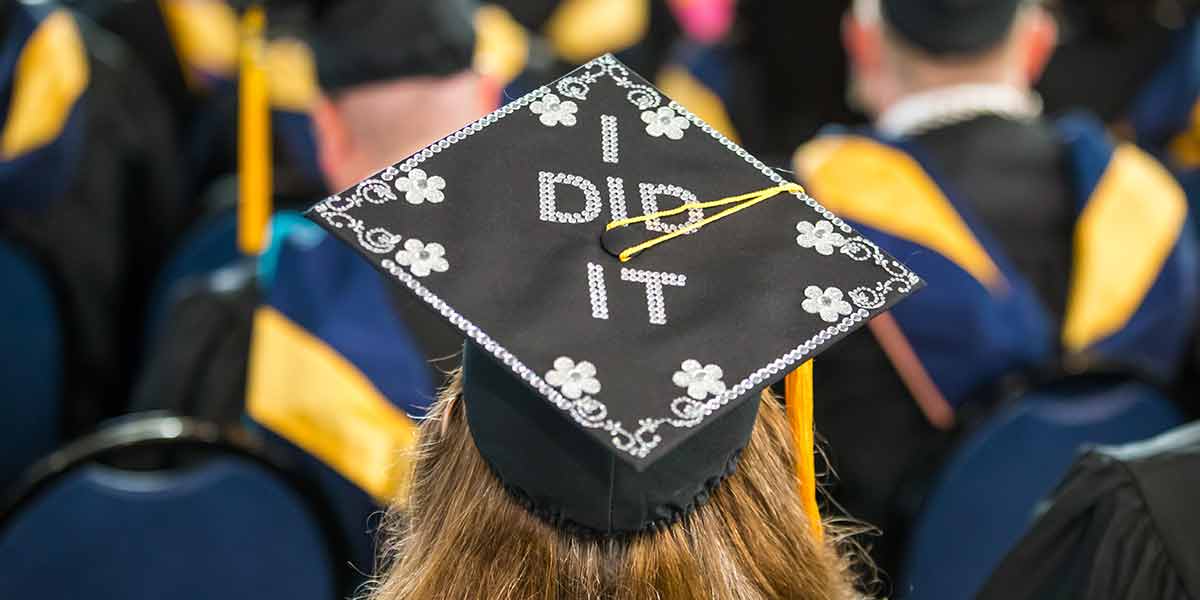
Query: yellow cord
x=799, y=398
x=799, y=384
x=746, y=201
x=254, y=137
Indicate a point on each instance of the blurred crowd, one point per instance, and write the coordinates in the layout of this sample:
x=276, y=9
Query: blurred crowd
x=156, y=263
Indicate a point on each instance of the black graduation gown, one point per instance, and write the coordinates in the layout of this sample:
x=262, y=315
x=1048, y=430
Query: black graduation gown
x=102, y=241
x=1122, y=525
x=143, y=28
x=788, y=86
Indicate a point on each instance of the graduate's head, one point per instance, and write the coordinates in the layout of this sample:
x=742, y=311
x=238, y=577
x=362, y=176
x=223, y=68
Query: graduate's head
x=463, y=535
x=899, y=47
x=394, y=77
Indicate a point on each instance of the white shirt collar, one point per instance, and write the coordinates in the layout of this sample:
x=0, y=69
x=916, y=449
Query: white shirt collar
x=932, y=109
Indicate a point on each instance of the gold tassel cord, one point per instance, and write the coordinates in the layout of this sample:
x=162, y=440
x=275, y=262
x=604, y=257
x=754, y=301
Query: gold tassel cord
x=254, y=137
x=799, y=384
x=739, y=203
x=799, y=398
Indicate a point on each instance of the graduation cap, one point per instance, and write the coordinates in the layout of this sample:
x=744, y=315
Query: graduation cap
x=363, y=41
x=951, y=26
x=628, y=281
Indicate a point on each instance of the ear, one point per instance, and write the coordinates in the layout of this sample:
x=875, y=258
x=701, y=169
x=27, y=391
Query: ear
x=862, y=42
x=490, y=90
x=1041, y=38
x=333, y=139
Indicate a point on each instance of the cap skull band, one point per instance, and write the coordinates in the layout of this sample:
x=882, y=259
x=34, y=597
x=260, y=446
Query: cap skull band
x=951, y=27
x=605, y=394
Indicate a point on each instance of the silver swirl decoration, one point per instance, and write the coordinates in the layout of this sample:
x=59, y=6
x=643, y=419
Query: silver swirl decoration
x=589, y=412
x=340, y=220
x=572, y=87
x=336, y=204
x=374, y=191
x=858, y=249
x=644, y=97
x=867, y=298
x=622, y=439
x=578, y=86
x=898, y=271
x=648, y=427
x=379, y=240
x=902, y=278
x=689, y=411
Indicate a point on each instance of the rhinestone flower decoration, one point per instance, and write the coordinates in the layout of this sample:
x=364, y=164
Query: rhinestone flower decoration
x=665, y=121
x=552, y=110
x=820, y=237
x=423, y=259
x=828, y=303
x=701, y=381
x=573, y=379
x=419, y=187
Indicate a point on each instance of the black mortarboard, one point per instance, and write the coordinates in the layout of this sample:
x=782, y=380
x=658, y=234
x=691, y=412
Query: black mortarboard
x=945, y=27
x=612, y=395
x=364, y=41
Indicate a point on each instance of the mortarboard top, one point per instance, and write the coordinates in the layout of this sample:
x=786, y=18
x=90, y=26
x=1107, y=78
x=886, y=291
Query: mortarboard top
x=613, y=394
x=946, y=27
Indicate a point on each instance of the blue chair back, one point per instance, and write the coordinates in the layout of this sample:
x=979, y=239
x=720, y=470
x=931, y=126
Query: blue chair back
x=208, y=247
x=358, y=514
x=228, y=526
x=986, y=495
x=211, y=247
x=30, y=365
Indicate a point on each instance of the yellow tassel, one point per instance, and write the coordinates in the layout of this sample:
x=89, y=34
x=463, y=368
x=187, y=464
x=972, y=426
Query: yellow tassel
x=742, y=202
x=254, y=137
x=799, y=396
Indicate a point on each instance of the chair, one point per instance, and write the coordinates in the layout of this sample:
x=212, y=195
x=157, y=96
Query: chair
x=227, y=522
x=985, y=497
x=208, y=247
x=1122, y=524
x=30, y=365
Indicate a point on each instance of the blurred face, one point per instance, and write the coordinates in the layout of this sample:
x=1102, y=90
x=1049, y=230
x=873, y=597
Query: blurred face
x=369, y=127
x=884, y=69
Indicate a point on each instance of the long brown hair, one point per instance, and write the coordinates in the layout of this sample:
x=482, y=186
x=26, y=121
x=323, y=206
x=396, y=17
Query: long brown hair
x=461, y=536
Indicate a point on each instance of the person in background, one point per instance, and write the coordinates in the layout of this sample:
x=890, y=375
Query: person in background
x=791, y=85
x=1131, y=63
x=1136, y=65
x=1120, y=525
x=142, y=26
x=430, y=83
x=1015, y=221
x=336, y=388
x=89, y=187
x=190, y=49
x=353, y=123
